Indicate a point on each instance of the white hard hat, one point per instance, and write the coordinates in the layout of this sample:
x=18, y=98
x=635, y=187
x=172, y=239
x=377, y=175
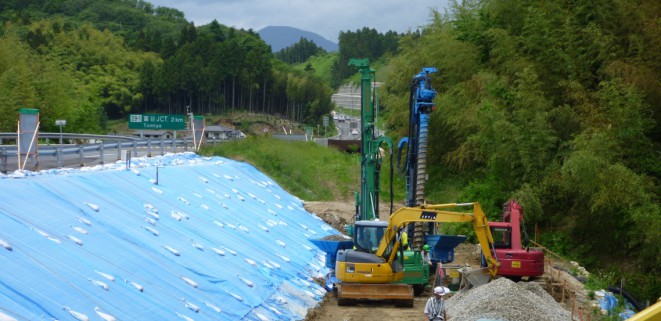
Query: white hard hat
x=441, y=290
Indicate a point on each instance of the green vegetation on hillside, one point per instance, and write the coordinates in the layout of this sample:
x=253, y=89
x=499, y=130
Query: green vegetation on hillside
x=556, y=104
x=107, y=59
x=320, y=65
x=308, y=170
x=305, y=169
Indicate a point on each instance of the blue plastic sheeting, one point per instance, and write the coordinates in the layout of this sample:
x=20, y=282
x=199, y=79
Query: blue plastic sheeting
x=213, y=239
x=609, y=303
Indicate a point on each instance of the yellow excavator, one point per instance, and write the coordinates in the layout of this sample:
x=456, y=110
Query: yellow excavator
x=652, y=313
x=365, y=275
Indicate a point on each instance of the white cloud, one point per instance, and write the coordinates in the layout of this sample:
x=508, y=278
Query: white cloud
x=325, y=17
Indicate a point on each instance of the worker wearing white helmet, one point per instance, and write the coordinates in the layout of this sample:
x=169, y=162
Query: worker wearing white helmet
x=435, y=307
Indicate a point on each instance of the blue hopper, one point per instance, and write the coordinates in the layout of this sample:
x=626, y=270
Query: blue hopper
x=442, y=246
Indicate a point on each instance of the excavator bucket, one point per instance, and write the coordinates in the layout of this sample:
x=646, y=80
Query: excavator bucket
x=475, y=277
x=402, y=294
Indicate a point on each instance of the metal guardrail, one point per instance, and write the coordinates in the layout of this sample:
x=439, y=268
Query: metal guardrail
x=54, y=156
x=70, y=136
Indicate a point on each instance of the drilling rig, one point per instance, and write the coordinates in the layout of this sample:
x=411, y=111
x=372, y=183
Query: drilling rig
x=367, y=200
x=414, y=166
x=368, y=229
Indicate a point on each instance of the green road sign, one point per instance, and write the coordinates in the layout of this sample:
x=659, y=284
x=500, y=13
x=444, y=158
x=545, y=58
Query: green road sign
x=157, y=121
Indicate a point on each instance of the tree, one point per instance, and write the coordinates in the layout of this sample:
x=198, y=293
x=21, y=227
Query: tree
x=364, y=43
x=299, y=52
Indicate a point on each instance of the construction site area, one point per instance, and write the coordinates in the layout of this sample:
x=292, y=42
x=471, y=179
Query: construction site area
x=182, y=236
x=131, y=244
x=394, y=259
x=556, y=295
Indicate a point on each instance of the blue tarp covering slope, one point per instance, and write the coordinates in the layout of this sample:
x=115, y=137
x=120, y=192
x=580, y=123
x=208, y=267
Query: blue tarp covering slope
x=211, y=239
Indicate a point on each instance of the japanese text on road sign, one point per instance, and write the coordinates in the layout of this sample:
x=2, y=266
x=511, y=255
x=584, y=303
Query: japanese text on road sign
x=157, y=121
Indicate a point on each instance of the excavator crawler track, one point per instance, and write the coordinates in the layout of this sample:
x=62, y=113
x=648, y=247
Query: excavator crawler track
x=401, y=294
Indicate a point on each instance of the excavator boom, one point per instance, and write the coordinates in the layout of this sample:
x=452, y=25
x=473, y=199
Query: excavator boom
x=440, y=214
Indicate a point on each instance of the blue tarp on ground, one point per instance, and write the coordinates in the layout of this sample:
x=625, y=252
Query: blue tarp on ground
x=609, y=303
x=212, y=239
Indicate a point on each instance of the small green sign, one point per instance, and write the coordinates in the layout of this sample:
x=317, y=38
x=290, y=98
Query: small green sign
x=157, y=122
x=28, y=111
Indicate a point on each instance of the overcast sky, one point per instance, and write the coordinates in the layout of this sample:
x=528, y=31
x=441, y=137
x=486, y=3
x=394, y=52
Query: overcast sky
x=324, y=17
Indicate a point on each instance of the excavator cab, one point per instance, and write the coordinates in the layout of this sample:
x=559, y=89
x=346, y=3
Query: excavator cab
x=502, y=236
x=368, y=234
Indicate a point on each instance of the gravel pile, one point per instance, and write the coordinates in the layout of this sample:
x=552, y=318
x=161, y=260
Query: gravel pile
x=503, y=299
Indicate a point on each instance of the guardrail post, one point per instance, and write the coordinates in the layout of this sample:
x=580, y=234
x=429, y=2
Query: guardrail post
x=81, y=154
x=185, y=144
x=135, y=148
x=149, y=148
x=101, y=148
x=128, y=161
x=59, y=157
x=162, y=147
x=119, y=151
x=3, y=159
x=174, y=145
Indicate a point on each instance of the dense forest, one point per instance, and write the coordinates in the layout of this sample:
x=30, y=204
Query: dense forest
x=364, y=43
x=299, y=52
x=89, y=61
x=555, y=103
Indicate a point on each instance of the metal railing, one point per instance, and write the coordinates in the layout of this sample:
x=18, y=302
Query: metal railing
x=71, y=136
x=107, y=147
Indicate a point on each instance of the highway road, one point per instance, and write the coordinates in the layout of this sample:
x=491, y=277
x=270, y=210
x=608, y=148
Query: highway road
x=348, y=126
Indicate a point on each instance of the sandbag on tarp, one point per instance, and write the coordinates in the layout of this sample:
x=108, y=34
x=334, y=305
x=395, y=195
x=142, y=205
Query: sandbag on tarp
x=214, y=239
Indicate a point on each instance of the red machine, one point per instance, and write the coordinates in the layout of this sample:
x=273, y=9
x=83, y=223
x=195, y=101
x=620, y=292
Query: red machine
x=517, y=259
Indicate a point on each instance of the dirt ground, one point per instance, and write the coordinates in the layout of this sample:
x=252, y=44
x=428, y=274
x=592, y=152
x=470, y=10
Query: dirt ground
x=328, y=310
x=338, y=214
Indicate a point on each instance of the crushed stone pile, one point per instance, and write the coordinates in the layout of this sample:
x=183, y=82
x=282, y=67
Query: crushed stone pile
x=503, y=299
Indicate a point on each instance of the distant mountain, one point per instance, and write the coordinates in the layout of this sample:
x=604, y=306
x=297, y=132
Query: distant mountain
x=282, y=37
